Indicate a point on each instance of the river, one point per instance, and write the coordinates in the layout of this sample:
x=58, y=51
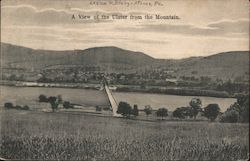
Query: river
x=25, y=95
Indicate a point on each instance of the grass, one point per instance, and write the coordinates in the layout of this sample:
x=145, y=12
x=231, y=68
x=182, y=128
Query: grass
x=55, y=136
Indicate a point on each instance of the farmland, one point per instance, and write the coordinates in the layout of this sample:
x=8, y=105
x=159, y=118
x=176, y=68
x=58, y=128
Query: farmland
x=60, y=136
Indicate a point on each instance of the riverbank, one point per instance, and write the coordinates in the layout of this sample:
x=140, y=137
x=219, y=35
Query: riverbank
x=181, y=91
x=177, y=91
x=88, y=97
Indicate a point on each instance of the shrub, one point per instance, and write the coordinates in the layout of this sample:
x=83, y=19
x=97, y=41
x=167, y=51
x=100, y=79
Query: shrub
x=18, y=107
x=25, y=107
x=67, y=105
x=98, y=108
x=243, y=102
x=183, y=112
x=179, y=113
x=43, y=98
x=239, y=109
x=230, y=116
x=8, y=105
x=162, y=112
x=106, y=108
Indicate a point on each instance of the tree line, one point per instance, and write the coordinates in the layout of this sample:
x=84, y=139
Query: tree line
x=9, y=105
x=55, y=101
x=237, y=112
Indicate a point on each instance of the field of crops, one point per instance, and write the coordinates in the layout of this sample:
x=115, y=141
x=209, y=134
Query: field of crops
x=59, y=136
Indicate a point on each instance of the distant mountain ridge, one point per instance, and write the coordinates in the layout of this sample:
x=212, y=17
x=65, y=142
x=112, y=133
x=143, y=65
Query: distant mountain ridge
x=223, y=65
x=25, y=57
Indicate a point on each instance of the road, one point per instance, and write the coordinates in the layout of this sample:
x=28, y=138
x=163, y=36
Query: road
x=112, y=101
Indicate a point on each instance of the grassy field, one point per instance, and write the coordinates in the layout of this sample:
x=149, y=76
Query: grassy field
x=60, y=136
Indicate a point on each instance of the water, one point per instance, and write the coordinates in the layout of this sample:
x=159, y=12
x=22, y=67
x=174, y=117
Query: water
x=171, y=102
x=26, y=95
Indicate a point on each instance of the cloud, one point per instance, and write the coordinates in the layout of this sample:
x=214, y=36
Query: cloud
x=45, y=27
x=224, y=28
x=229, y=26
x=31, y=16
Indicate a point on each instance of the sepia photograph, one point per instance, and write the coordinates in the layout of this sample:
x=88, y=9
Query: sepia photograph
x=144, y=80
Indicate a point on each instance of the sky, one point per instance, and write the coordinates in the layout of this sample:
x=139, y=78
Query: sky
x=203, y=27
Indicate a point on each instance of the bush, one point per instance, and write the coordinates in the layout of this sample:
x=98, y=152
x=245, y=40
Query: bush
x=239, y=109
x=18, y=107
x=245, y=114
x=183, y=112
x=98, y=108
x=43, y=98
x=179, y=113
x=106, y=108
x=243, y=102
x=26, y=107
x=8, y=105
x=162, y=112
x=67, y=105
x=230, y=116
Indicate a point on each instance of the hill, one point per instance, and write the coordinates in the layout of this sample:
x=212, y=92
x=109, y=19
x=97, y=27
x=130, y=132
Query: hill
x=227, y=65
x=106, y=57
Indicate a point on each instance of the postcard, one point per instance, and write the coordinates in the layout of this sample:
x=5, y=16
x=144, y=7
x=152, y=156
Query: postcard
x=124, y=80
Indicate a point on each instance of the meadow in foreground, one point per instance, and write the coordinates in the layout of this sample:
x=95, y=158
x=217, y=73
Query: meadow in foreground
x=58, y=136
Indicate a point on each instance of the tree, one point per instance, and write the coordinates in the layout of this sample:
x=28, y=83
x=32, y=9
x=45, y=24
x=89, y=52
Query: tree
x=148, y=110
x=162, y=112
x=42, y=98
x=135, y=110
x=53, y=102
x=124, y=108
x=195, y=104
x=239, y=109
x=243, y=107
x=245, y=112
x=59, y=99
x=211, y=111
